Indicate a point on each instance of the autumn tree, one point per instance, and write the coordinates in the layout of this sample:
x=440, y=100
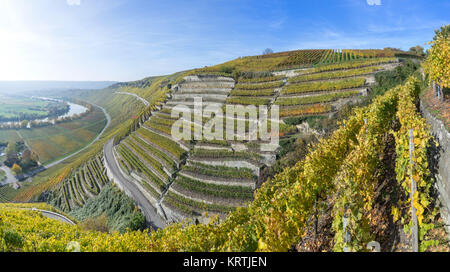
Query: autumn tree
x=418, y=50
x=29, y=159
x=16, y=169
x=437, y=64
x=444, y=31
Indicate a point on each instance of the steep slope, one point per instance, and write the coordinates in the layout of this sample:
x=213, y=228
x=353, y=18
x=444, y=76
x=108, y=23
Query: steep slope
x=193, y=178
x=341, y=169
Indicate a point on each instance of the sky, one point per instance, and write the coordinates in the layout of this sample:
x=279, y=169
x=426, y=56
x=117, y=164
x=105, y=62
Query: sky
x=123, y=40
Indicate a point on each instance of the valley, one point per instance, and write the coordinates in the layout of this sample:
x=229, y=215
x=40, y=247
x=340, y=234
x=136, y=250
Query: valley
x=247, y=182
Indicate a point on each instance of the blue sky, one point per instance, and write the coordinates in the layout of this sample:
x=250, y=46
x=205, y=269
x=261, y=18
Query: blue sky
x=125, y=40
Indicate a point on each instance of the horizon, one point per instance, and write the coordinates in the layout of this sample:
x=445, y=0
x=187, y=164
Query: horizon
x=120, y=40
x=21, y=87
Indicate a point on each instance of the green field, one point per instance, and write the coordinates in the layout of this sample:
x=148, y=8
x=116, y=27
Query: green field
x=2, y=175
x=14, y=108
x=56, y=141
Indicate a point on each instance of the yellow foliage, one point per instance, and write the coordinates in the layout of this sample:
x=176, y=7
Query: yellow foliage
x=437, y=64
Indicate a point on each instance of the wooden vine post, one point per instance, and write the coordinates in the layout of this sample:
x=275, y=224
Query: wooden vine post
x=346, y=233
x=415, y=235
x=434, y=89
x=441, y=91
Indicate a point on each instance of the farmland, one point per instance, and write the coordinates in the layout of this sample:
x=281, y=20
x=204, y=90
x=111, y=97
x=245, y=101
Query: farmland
x=13, y=108
x=56, y=141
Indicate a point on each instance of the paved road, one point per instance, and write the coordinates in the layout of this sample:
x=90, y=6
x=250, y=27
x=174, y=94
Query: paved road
x=148, y=210
x=52, y=215
x=146, y=103
x=10, y=178
x=108, y=121
x=55, y=216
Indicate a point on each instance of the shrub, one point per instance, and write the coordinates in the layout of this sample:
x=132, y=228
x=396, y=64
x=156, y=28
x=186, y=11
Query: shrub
x=16, y=169
x=96, y=224
x=227, y=69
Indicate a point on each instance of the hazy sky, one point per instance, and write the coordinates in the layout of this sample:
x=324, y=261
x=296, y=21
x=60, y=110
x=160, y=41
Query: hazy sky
x=125, y=40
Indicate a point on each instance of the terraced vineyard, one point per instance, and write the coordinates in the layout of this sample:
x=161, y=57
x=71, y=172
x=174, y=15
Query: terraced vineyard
x=297, y=59
x=190, y=178
x=322, y=89
x=81, y=185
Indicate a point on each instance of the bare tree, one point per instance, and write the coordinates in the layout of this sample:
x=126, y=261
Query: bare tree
x=267, y=51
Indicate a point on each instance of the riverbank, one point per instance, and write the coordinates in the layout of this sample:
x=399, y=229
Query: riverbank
x=74, y=111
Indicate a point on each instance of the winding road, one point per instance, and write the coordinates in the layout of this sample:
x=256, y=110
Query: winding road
x=146, y=103
x=52, y=215
x=147, y=208
x=10, y=178
x=108, y=121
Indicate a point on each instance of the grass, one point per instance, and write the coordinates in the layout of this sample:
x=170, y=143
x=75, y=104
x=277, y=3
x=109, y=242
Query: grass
x=12, y=108
x=8, y=135
x=2, y=175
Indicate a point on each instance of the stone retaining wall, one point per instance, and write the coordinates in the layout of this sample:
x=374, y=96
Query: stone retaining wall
x=439, y=159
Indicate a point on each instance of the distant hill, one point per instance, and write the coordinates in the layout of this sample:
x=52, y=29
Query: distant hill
x=9, y=87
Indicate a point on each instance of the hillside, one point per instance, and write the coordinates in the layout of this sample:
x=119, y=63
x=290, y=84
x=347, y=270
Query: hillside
x=352, y=156
x=273, y=198
x=192, y=178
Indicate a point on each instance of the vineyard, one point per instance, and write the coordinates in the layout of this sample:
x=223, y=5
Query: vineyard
x=236, y=191
x=335, y=75
x=297, y=59
x=320, y=91
x=338, y=177
x=224, y=127
x=81, y=185
x=191, y=178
